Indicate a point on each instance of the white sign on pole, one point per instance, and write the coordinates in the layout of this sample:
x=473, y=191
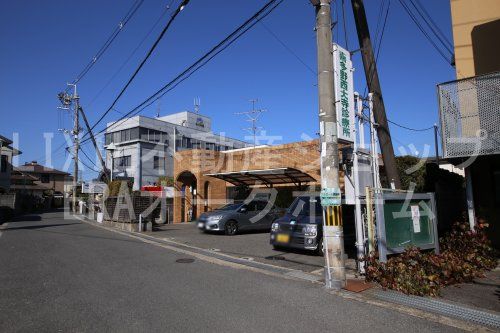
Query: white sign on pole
x=344, y=93
x=93, y=187
x=415, y=216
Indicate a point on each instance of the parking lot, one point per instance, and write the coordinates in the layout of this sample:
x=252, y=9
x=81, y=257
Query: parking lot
x=250, y=245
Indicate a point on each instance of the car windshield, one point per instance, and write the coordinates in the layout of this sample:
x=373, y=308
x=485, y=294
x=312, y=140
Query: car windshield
x=306, y=206
x=229, y=207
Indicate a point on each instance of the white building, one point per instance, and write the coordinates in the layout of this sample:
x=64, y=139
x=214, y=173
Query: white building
x=145, y=147
x=7, y=152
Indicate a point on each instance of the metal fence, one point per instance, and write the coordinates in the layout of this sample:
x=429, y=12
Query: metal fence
x=469, y=111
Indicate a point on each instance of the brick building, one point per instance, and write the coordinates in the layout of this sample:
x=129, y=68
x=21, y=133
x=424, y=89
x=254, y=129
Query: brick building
x=199, y=174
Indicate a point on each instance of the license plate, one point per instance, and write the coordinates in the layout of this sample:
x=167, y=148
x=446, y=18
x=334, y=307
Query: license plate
x=283, y=238
x=201, y=225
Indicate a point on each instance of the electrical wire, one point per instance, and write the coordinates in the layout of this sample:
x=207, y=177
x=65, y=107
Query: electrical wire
x=420, y=27
x=411, y=129
x=344, y=24
x=167, y=8
x=133, y=9
x=153, y=47
x=287, y=48
x=377, y=49
x=434, y=27
x=269, y=7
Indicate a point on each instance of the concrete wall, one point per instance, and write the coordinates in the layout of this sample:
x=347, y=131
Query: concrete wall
x=476, y=36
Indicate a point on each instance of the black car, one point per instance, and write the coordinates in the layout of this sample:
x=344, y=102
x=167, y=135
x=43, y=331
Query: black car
x=301, y=227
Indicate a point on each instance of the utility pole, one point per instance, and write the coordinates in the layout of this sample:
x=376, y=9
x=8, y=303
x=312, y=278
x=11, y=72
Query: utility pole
x=333, y=234
x=373, y=83
x=76, y=132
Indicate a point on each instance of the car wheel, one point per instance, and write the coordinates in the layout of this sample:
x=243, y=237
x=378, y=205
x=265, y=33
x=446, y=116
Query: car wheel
x=231, y=228
x=320, y=251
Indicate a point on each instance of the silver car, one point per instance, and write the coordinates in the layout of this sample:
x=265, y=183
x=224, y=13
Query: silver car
x=231, y=218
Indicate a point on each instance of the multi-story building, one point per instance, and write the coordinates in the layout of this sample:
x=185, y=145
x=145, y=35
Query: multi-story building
x=6, y=154
x=143, y=148
x=469, y=108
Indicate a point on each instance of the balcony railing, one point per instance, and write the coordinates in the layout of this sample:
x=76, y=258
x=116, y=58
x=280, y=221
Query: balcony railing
x=469, y=111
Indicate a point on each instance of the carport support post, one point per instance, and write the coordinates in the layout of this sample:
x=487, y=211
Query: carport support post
x=333, y=234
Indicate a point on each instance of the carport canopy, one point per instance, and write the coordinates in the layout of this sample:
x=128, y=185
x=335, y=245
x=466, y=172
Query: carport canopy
x=267, y=177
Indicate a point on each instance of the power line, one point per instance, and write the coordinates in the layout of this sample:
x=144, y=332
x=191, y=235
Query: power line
x=433, y=24
x=344, y=25
x=287, y=48
x=411, y=129
x=110, y=40
x=419, y=26
x=377, y=48
x=203, y=60
x=153, y=47
x=131, y=55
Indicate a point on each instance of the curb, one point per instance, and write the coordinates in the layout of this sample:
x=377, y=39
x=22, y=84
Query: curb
x=282, y=272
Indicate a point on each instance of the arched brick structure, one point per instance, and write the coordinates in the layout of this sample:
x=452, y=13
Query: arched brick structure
x=303, y=156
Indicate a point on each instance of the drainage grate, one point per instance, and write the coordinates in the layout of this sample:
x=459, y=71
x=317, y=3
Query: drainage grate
x=185, y=261
x=275, y=258
x=247, y=258
x=440, y=307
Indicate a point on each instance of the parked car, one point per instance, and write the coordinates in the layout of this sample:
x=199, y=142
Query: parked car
x=232, y=218
x=301, y=227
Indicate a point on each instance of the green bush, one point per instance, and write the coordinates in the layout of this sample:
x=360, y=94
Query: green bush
x=465, y=255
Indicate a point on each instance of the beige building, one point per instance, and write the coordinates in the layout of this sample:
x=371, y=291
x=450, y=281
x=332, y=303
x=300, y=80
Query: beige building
x=47, y=178
x=476, y=35
x=469, y=108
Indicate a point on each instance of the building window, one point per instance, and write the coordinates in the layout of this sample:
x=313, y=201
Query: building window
x=195, y=144
x=108, y=138
x=122, y=162
x=44, y=178
x=209, y=146
x=4, y=164
x=158, y=162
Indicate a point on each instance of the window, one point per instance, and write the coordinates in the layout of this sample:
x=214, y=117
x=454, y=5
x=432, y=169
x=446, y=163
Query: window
x=125, y=135
x=196, y=144
x=45, y=178
x=122, y=162
x=109, y=138
x=209, y=146
x=4, y=164
x=158, y=162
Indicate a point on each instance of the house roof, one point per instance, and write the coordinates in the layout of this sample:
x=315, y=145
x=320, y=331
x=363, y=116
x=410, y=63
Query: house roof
x=34, y=167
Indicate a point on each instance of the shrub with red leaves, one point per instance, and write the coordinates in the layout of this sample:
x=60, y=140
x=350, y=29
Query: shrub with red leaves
x=465, y=255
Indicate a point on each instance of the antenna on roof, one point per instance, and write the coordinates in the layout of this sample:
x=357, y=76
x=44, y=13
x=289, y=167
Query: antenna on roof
x=253, y=115
x=197, y=103
x=158, y=109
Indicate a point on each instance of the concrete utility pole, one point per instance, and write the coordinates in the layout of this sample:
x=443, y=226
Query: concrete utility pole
x=373, y=83
x=333, y=234
x=76, y=131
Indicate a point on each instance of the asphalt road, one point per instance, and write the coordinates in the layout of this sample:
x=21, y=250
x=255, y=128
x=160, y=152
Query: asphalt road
x=68, y=276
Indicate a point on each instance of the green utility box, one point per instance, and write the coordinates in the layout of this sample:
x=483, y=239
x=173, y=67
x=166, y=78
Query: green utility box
x=406, y=219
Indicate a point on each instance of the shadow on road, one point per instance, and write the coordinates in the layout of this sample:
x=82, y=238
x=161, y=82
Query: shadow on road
x=38, y=226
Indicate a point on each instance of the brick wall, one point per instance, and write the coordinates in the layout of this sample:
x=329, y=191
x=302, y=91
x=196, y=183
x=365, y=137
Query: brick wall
x=195, y=164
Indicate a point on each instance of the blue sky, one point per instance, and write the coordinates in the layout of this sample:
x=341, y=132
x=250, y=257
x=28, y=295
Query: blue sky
x=46, y=43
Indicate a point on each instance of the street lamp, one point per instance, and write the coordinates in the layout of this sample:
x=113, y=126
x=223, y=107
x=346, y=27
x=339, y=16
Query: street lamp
x=112, y=147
